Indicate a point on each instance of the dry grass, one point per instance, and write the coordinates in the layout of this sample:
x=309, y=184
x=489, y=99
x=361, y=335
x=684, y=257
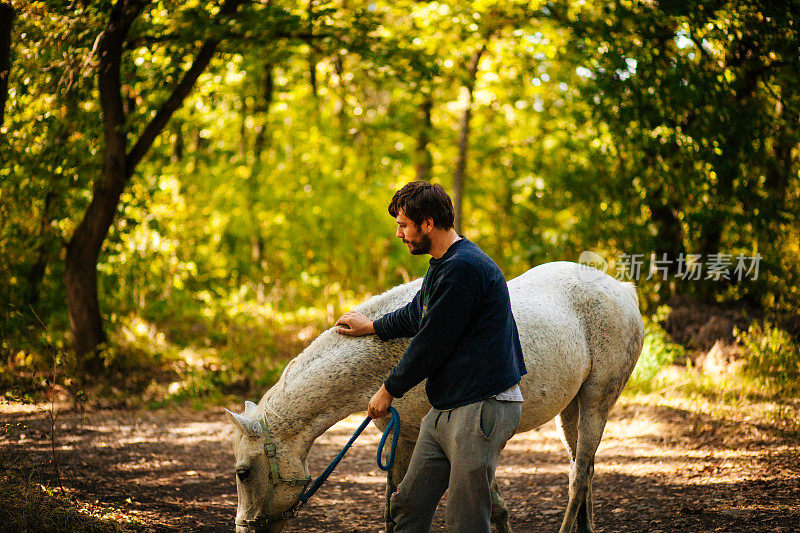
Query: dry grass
x=29, y=506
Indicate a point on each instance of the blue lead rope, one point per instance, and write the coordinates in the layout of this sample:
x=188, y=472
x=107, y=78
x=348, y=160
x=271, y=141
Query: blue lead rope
x=394, y=424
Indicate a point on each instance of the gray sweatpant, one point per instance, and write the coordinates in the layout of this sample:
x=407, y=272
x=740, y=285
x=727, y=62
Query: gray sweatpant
x=460, y=449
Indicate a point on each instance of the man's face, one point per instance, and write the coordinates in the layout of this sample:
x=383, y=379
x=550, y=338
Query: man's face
x=413, y=236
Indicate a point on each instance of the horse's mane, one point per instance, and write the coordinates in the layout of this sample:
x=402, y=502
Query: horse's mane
x=329, y=340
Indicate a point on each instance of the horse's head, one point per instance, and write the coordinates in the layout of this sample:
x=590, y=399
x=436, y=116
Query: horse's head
x=270, y=477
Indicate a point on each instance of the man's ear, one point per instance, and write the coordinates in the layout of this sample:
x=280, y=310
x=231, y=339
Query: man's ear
x=427, y=226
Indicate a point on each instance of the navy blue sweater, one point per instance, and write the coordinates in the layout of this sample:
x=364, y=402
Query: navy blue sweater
x=465, y=340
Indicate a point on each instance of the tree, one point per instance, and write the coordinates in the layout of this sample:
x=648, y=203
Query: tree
x=701, y=113
x=119, y=164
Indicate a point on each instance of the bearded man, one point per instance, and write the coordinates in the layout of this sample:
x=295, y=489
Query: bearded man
x=464, y=341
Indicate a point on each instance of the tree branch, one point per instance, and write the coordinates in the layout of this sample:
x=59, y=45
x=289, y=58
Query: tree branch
x=147, y=40
x=179, y=94
x=108, y=80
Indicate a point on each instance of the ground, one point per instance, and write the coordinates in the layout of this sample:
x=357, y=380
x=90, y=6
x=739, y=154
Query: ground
x=665, y=464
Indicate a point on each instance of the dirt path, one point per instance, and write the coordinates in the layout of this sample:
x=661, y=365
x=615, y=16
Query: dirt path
x=659, y=469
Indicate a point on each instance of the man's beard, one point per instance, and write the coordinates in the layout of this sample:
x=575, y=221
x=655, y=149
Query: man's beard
x=422, y=246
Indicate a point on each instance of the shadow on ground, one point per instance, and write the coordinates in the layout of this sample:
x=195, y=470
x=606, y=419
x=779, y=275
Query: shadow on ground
x=658, y=469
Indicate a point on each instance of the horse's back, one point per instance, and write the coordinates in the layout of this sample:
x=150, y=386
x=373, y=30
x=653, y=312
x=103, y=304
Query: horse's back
x=575, y=325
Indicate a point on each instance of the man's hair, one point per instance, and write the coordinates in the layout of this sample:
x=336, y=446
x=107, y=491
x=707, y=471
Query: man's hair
x=420, y=200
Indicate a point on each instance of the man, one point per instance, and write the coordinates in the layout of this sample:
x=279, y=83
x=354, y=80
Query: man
x=465, y=343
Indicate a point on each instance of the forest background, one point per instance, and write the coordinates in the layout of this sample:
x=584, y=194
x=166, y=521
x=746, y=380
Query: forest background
x=191, y=191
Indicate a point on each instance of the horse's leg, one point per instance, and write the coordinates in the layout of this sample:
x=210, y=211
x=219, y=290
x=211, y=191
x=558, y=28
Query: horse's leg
x=586, y=513
x=567, y=423
x=590, y=425
x=499, y=510
x=395, y=475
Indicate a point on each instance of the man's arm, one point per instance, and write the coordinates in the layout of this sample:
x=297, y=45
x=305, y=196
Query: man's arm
x=440, y=330
x=403, y=322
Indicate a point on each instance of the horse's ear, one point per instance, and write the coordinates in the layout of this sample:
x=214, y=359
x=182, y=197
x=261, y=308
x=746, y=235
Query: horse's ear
x=248, y=425
x=234, y=418
x=250, y=408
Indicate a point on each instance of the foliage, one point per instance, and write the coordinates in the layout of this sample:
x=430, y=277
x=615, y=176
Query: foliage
x=658, y=352
x=772, y=358
x=700, y=121
x=260, y=210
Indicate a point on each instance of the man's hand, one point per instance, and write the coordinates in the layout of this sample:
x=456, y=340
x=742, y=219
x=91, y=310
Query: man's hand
x=379, y=404
x=357, y=324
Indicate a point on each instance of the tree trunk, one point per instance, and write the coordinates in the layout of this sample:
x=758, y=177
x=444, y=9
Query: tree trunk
x=727, y=164
x=778, y=175
x=43, y=255
x=670, y=231
x=424, y=159
x=83, y=250
x=261, y=133
x=257, y=240
x=6, y=19
x=463, y=138
x=178, y=147
x=312, y=54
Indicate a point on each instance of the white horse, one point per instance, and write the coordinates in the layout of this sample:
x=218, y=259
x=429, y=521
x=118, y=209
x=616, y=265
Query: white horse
x=581, y=334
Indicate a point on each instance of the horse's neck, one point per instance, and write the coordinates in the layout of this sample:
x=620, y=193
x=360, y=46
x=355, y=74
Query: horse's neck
x=335, y=377
x=326, y=390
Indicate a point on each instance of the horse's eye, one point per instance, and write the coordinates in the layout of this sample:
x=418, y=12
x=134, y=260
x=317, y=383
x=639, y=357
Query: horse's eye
x=242, y=473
